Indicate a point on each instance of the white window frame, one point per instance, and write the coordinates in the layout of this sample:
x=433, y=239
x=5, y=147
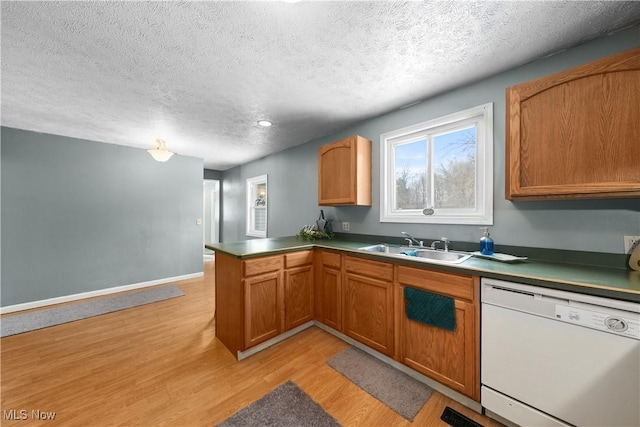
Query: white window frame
x=251, y=206
x=482, y=117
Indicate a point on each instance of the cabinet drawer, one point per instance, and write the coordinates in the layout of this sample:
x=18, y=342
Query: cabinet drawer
x=369, y=268
x=331, y=259
x=452, y=284
x=296, y=259
x=251, y=267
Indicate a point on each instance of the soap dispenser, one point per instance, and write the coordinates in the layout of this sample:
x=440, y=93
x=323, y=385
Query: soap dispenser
x=486, y=242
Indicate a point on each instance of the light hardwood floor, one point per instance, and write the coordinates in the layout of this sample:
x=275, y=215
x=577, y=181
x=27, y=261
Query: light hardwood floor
x=160, y=365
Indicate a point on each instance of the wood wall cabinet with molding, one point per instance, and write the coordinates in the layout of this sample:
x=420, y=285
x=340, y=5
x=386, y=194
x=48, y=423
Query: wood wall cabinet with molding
x=450, y=357
x=328, y=289
x=576, y=134
x=368, y=305
x=344, y=172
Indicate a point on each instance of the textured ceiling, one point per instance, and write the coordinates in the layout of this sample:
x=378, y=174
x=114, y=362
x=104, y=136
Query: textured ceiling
x=200, y=74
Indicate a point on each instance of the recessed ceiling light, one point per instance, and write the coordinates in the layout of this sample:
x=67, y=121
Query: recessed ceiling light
x=264, y=123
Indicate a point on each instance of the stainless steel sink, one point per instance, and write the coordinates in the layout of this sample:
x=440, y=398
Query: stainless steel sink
x=450, y=256
x=387, y=249
x=420, y=254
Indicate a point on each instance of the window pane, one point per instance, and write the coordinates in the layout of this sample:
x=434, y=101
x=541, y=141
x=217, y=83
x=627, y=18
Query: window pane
x=445, y=163
x=260, y=194
x=454, y=164
x=257, y=206
x=411, y=172
x=259, y=219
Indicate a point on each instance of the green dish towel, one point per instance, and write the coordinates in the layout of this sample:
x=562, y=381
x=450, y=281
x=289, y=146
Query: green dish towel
x=431, y=309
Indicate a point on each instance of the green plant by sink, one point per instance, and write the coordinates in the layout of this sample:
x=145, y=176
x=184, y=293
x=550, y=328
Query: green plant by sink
x=314, y=234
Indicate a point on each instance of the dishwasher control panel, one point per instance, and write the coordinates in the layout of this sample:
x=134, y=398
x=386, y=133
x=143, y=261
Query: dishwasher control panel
x=617, y=323
x=603, y=314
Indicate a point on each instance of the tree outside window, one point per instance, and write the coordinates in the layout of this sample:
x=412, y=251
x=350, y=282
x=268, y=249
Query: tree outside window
x=440, y=171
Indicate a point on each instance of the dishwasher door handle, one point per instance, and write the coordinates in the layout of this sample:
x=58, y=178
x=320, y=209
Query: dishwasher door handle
x=554, y=300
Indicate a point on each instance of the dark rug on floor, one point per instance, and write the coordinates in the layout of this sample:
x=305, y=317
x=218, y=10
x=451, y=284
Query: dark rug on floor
x=19, y=323
x=456, y=419
x=400, y=392
x=286, y=406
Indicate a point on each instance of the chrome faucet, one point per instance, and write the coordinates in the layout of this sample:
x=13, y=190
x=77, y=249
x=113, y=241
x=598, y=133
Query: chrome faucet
x=443, y=240
x=411, y=240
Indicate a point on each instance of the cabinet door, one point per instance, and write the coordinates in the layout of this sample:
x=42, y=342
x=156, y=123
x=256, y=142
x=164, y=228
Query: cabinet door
x=447, y=357
x=329, y=295
x=298, y=296
x=575, y=134
x=369, y=312
x=344, y=172
x=262, y=299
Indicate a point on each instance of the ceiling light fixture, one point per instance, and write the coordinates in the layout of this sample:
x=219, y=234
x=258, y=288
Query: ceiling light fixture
x=265, y=123
x=161, y=153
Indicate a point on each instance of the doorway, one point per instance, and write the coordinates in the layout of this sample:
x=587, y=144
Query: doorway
x=211, y=214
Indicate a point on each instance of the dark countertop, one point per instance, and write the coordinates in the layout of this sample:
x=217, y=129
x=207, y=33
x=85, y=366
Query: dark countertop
x=599, y=281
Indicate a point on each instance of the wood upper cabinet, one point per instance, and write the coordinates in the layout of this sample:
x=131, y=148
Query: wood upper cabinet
x=576, y=134
x=369, y=303
x=449, y=357
x=344, y=172
x=328, y=289
x=298, y=289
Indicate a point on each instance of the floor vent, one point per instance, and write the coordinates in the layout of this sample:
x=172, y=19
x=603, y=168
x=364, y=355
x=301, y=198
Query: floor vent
x=456, y=419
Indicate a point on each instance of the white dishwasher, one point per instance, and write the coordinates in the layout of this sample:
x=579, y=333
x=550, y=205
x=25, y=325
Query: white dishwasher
x=553, y=358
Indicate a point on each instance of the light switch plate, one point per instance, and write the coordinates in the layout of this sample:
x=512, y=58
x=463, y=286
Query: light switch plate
x=198, y=221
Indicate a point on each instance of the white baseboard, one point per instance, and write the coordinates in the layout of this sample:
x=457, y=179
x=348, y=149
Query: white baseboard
x=253, y=350
x=91, y=294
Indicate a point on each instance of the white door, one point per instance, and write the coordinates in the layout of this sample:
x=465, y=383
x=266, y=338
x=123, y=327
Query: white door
x=211, y=214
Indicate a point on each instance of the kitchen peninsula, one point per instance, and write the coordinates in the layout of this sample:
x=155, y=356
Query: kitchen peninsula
x=270, y=289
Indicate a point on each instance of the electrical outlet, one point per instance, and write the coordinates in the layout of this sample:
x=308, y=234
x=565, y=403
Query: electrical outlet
x=345, y=226
x=630, y=242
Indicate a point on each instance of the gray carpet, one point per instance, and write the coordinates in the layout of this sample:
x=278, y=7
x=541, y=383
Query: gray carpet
x=17, y=324
x=286, y=406
x=400, y=392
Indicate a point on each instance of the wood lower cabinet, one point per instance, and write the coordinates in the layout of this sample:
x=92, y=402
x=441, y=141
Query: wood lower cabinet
x=328, y=289
x=298, y=289
x=262, y=315
x=263, y=299
x=369, y=303
x=449, y=357
x=260, y=298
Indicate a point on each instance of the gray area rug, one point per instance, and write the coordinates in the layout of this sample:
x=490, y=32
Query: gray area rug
x=286, y=406
x=12, y=325
x=400, y=392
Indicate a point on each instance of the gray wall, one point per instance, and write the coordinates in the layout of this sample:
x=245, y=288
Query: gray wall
x=212, y=174
x=593, y=225
x=79, y=216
